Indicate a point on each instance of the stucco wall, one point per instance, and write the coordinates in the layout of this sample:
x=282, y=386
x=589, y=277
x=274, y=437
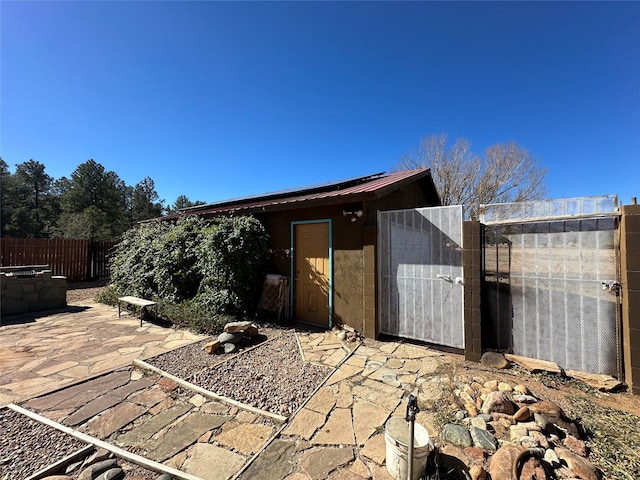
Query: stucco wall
x=348, y=273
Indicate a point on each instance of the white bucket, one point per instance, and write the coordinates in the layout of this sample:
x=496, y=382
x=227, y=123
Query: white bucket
x=396, y=436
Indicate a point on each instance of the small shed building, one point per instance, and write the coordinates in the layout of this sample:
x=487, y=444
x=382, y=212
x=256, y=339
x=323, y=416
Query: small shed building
x=324, y=239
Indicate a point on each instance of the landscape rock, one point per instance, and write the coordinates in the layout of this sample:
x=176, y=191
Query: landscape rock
x=226, y=337
x=229, y=347
x=604, y=383
x=456, y=435
x=92, y=471
x=237, y=327
x=494, y=360
x=483, y=439
x=476, y=472
x=212, y=347
x=111, y=474
x=534, y=365
x=522, y=415
x=498, y=402
x=502, y=462
x=582, y=467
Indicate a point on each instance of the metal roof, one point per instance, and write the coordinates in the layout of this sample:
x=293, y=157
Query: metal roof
x=376, y=185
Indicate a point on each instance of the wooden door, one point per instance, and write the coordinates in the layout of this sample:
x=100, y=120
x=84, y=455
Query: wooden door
x=312, y=273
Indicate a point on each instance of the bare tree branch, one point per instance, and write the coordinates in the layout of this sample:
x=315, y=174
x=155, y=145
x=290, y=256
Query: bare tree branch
x=506, y=173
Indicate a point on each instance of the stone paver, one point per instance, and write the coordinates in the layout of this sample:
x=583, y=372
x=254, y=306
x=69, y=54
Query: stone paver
x=145, y=431
x=181, y=435
x=338, y=430
x=66, y=347
x=338, y=434
x=211, y=462
x=319, y=462
x=306, y=423
x=245, y=438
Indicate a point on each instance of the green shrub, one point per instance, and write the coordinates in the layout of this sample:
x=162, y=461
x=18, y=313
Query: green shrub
x=108, y=296
x=233, y=258
x=134, y=262
x=202, y=274
x=177, y=273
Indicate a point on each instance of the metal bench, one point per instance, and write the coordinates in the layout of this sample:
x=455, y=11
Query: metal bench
x=136, y=302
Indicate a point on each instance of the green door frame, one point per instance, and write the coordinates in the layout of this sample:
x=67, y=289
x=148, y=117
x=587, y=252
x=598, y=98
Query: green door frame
x=293, y=259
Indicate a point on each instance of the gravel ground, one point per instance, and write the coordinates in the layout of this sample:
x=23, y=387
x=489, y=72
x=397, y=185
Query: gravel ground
x=83, y=291
x=271, y=377
x=27, y=446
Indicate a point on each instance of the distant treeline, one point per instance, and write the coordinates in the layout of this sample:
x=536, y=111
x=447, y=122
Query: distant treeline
x=93, y=204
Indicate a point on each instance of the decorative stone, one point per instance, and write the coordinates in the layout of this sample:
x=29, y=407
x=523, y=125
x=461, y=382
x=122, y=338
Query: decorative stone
x=524, y=398
x=516, y=432
x=484, y=439
x=476, y=472
x=475, y=454
x=229, y=347
x=505, y=387
x=604, y=383
x=456, y=435
x=521, y=389
x=529, y=442
x=491, y=385
x=226, y=337
x=460, y=415
x=494, y=360
x=486, y=417
x=479, y=422
x=502, y=462
x=575, y=445
x=498, y=402
x=582, y=467
x=535, y=365
x=92, y=471
x=551, y=457
x=211, y=347
x=236, y=327
x=522, y=415
x=111, y=474
x=547, y=408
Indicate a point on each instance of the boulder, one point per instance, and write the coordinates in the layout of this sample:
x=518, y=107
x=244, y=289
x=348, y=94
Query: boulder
x=494, y=360
x=502, y=462
x=498, y=402
x=234, y=338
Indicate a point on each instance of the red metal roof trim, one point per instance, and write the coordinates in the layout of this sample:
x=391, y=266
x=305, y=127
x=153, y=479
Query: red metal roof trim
x=369, y=188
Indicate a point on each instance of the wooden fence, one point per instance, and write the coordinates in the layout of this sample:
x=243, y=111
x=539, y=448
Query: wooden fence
x=78, y=260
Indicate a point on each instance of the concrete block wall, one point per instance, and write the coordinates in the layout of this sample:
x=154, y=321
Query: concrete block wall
x=472, y=262
x=630, y=280
x=32, y=294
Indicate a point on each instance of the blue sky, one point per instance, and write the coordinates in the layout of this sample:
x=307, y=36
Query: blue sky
x=217, y=100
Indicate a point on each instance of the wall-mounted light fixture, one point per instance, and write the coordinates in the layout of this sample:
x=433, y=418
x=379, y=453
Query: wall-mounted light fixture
x=354, y=215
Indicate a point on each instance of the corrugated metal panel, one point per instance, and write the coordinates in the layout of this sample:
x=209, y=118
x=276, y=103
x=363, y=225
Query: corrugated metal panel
x=370, y=187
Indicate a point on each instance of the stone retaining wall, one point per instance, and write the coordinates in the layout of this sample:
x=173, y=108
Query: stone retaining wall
x=22, y=294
